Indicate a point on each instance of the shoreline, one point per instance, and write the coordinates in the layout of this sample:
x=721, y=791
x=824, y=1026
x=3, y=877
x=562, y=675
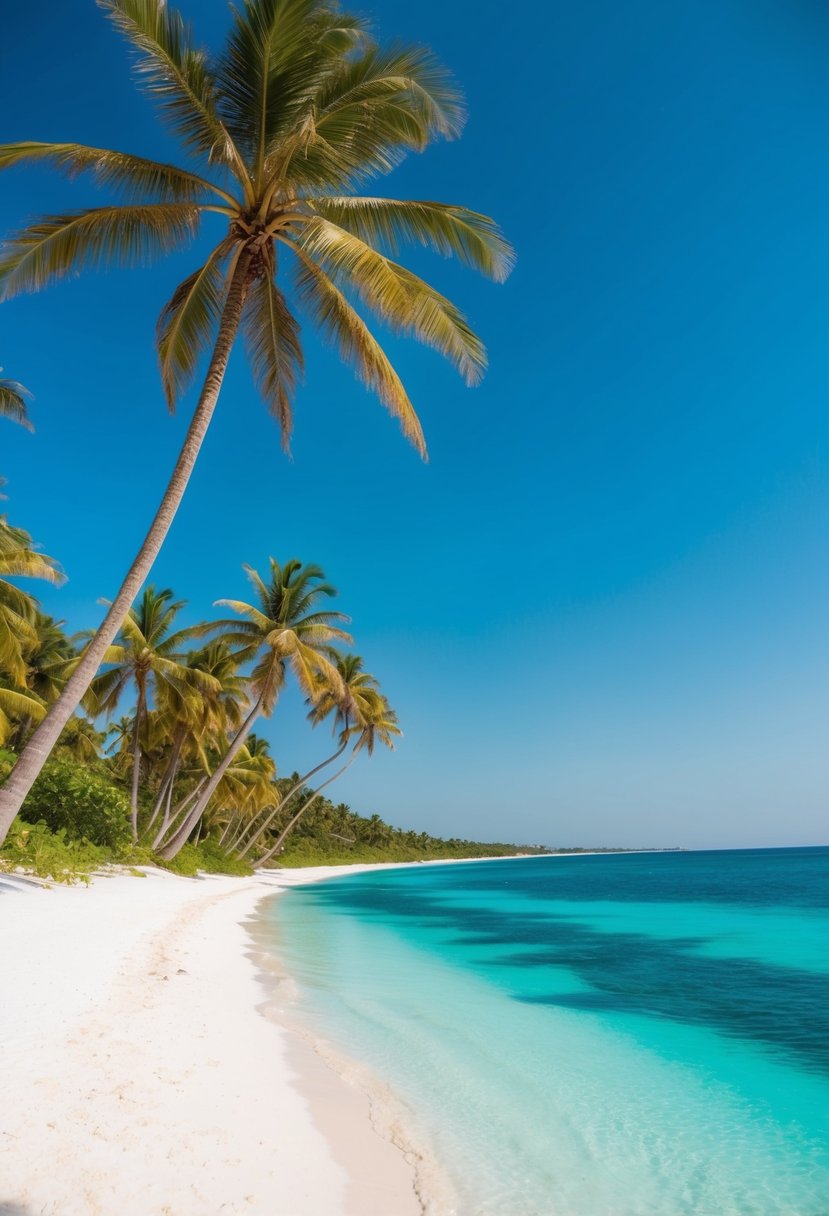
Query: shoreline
x=146, y=1059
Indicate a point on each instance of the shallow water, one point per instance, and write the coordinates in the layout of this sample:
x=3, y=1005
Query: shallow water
x=589, y=1036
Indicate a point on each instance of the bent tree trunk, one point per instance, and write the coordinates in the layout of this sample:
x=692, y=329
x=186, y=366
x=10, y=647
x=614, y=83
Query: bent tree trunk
x=280, y=840
x=179, y=838
x=37, y=750
x=173, y=815
x=136, y=760
x=165, y=788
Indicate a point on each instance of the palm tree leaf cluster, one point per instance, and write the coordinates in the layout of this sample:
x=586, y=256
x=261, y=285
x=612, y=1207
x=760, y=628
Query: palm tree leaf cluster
x=282, y=129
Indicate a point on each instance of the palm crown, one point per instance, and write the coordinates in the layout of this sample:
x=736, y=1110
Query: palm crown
x=291, y=628
x=300, y=110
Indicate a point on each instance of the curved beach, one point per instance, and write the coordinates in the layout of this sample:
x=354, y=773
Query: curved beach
x=141, y=1077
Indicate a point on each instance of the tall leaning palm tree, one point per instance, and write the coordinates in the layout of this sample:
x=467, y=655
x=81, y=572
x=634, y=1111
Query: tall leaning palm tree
x=280, y=133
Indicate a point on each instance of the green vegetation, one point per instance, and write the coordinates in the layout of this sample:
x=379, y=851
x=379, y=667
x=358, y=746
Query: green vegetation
x=81, y=801
x=77, y=820
x=280, y=134
x=55, y=855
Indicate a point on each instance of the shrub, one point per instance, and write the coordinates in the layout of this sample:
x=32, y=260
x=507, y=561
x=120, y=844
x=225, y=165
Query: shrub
x=186, y=861
x=71, y=796
x=216, y=860
x=208, y=857
x=50, y=854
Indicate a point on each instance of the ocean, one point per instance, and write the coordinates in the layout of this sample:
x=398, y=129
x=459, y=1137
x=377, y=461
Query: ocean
x=611, y=1035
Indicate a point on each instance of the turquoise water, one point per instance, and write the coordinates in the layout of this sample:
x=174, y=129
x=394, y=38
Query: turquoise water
x=589, y=1036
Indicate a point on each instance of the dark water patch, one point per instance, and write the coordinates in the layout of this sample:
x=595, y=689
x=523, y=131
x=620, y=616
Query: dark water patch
x=785, y=1009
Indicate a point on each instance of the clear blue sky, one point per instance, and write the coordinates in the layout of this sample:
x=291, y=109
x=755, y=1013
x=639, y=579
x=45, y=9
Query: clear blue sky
x=601, y=609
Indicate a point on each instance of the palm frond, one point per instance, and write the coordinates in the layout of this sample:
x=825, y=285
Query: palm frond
x=139, y=177
x=17, y=636
x=16, y=705
x=26, y=562
x=51, y=247
x=270, y=41
x=176, y=75
x=13, y=398
x=186, y=681
x=309, y=665
x=105, y=691
x=357, y=345
x=273, y=347
x=188, y=322
x=278, y=53
x=399, y=298
x=369, y=112
x=455, y=231
x=253, y=614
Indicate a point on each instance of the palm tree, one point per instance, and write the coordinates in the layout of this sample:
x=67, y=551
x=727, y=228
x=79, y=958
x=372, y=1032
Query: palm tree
x=246, y=788
x=13, y=397
x=291, y=633
x=18, y=611
x=194, y=726
x=49, y=659
x=345, y=702
x=300, y=110
x=17, y=705
x=147, y=656
x=121, y=741
x=48, y=655
x=80, y=740
x=379, y=725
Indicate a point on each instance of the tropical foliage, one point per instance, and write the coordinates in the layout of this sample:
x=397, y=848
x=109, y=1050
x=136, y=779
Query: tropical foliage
x=31, y=651
x=14, y=402
x=280, y=135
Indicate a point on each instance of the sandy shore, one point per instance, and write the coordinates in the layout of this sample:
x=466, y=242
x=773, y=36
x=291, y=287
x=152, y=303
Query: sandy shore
x=140, y=1075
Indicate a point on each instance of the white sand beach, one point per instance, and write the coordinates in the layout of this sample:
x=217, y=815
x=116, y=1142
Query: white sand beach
x=141, y=1076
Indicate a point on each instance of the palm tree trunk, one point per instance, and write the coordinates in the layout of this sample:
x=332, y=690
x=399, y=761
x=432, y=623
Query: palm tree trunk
x=166, y=787
x=180, y=836
x=283, y=801
x=238, y=833
x=188, y=798
x=37, y=750
x=277, y=846
x=171, y=815
x=136, y=762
